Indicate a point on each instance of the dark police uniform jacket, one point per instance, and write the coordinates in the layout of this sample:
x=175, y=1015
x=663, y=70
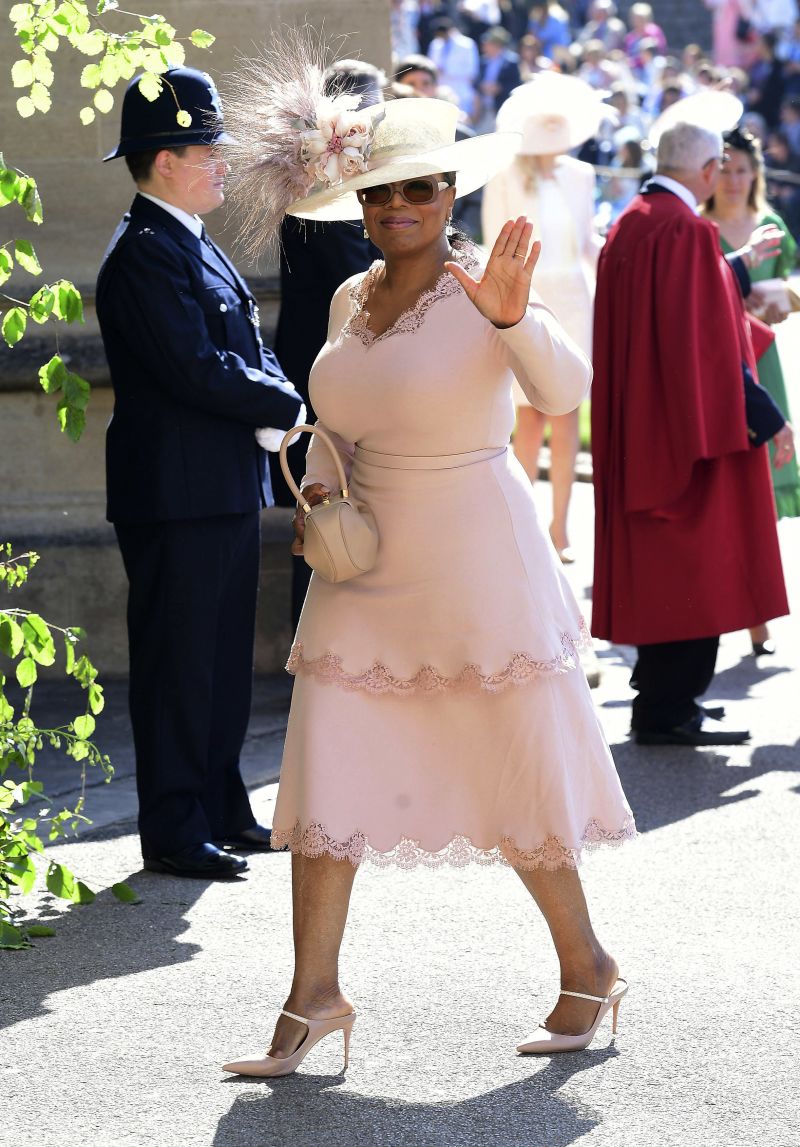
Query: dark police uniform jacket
x=192, y=379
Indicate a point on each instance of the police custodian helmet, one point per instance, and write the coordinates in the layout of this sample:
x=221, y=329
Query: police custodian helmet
x=150, y=124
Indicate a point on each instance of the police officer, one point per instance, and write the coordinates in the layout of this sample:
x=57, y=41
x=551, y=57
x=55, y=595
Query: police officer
x=186, y=479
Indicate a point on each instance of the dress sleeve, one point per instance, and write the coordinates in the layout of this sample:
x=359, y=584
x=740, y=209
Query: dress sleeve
x=553, y=372
x=319, y=464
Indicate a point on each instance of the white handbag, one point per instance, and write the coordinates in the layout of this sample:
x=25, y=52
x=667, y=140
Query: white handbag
x=341, y=538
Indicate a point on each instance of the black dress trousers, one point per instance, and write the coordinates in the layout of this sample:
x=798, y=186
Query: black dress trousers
x=668, y=676
x=191, y=619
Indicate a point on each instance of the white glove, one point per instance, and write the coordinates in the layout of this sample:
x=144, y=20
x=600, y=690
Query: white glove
x=270, y=439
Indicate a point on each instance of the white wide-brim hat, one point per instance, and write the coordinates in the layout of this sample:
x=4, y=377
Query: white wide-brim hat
x=553, y=114
x=416, y=136
x=717, y=111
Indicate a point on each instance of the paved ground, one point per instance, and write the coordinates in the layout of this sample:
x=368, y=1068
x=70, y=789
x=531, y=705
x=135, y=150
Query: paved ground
x=114, y=1030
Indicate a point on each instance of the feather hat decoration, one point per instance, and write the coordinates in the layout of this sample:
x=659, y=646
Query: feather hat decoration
x=291, y=135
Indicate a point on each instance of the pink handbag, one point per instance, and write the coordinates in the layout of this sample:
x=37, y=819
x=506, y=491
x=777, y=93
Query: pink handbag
x=341, y=539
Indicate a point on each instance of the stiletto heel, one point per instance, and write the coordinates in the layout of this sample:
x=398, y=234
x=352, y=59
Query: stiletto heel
x=546, y=1042
x=270, y=1065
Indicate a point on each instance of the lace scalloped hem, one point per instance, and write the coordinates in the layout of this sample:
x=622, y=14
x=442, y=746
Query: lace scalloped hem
x=551, y=854
x=520, y=669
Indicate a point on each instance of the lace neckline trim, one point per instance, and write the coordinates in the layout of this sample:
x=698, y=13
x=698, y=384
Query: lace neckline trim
x=410, y=320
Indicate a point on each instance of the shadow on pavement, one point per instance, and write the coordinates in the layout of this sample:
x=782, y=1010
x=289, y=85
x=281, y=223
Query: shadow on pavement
x=308, y=1109
x=667, y=784
x=106, y=940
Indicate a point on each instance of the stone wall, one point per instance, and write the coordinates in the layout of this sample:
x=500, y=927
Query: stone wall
x=52, y=492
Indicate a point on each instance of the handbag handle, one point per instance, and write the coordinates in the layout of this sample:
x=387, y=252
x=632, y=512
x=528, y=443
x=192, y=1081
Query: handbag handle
x=290, y=482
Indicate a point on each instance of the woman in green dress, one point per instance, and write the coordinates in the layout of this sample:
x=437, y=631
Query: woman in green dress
x=738, y=207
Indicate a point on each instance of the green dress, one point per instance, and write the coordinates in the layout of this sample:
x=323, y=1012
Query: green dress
x=786, y=481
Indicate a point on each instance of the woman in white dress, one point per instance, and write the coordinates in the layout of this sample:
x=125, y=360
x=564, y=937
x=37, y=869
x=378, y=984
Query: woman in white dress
x=439, y=713
x=557, y=192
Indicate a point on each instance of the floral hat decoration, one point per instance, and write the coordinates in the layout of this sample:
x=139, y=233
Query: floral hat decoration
x=302, y=151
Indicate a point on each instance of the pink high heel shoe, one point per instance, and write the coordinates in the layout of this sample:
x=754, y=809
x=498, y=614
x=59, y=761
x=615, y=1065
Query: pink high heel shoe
x=546, y=1042
x=269, y=1065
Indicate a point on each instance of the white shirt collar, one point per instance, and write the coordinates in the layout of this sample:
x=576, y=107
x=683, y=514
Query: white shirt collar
x=678, y=189
x=193, y=222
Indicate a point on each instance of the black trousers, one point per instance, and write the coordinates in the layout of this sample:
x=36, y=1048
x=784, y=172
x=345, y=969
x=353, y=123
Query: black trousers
x=191, y=621
x=668, y=676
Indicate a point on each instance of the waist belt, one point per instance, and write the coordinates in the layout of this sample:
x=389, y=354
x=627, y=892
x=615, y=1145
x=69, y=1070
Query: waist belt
x=427, y=462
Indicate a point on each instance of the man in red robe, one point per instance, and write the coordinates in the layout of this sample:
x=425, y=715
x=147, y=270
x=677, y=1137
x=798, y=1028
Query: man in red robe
x=686, y=545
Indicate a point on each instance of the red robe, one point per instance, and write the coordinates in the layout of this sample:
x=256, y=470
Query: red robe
x=686, y=543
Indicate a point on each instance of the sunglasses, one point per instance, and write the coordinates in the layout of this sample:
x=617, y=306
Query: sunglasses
x=413, y=191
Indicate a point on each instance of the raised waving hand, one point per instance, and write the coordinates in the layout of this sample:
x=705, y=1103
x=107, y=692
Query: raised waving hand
x=501, y=294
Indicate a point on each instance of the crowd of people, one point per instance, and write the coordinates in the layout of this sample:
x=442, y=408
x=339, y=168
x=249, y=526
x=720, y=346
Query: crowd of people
x=475, y=52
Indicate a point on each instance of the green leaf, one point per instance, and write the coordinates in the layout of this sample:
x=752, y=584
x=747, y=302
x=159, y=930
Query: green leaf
x=69, y=306
x=11, y=636
x=14, y=324
x=41, y=98
x=72, y=422
x=125, y=893
x=175, y=54
x=28, y=198
x=22, y=871
x=37, y=930
x=91, y=76
x=43, y=69
x=26, y=107
x=89, y=43
x=69, y=650
x=83, y=894
x=184, y=119
x=96, y=699
x=87, y=116
x=106, y=6
x=163, y=36
x=39, y=639
x=103, y=100
x=150, y=86
x=27, y=672
x=76, y=391
x=60, y=881
x=6, y=264
x=12, y=938
x=109, y=69
x=41, y=305
x=20, y=12
x=22, y=74
x=9, y=186
x=52, y=375
x=84, y=726
x=202, y=39
x=26, y=257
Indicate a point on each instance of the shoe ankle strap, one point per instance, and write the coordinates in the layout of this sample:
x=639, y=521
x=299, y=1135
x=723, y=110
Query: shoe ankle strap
x=584, y=996
x=292, y=1016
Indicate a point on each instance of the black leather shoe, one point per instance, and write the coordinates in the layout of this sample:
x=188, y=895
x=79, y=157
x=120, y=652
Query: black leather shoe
x=764, y=648
x=692, y=734
x=255, y=839
x=204, y=861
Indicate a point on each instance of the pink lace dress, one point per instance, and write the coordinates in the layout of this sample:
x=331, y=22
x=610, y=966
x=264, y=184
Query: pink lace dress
x=440, y=713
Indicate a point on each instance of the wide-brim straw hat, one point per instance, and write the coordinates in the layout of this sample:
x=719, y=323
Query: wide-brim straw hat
x=553, y=113
x=717, y=111
x=415, y=137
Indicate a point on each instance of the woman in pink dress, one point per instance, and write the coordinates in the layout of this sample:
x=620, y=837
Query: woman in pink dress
x=439, y=712
x=726, y=48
